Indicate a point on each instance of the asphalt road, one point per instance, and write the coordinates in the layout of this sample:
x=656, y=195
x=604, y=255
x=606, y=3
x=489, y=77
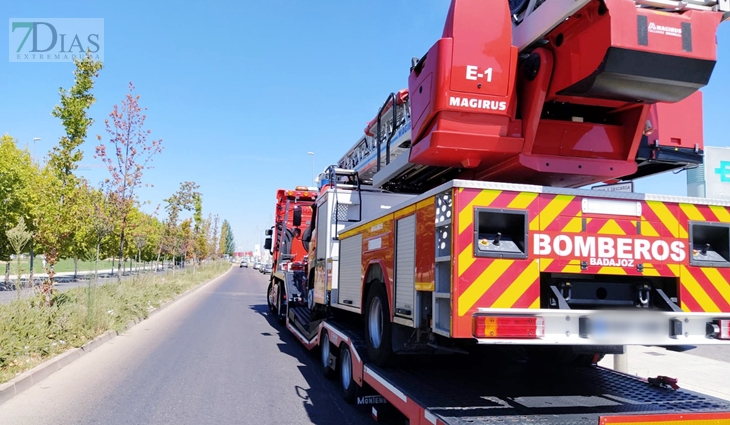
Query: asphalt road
x=65, y=281
x=214, y=357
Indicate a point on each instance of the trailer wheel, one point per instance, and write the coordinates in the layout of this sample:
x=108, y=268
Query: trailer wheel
x=270, y=298
x=378, y=326
x=347, y=382
x=324, y=354
x=280, y=310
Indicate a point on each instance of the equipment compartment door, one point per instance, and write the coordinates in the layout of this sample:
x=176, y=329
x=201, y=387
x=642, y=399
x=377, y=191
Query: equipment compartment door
x=405, y=266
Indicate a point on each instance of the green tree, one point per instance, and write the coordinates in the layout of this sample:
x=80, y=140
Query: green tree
x=182, y=200
x=230, y=242
x=223, y=243
x=72, y=112
x=56, y=224
x=18, y=176
x=214, y=238
x=18, y=237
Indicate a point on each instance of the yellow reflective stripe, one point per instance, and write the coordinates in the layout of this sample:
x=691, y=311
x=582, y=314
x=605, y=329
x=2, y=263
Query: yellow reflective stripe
x=669, y=220
x=481, y=284
x=466, y=215
x=466, y=258
x=692, y=212
x=551, y=211
x=523, y=200
x=695, y=289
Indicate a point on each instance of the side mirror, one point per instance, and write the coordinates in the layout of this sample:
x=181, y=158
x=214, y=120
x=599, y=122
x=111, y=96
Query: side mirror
x=269, y=232
x=267, y=244
x=297, y=216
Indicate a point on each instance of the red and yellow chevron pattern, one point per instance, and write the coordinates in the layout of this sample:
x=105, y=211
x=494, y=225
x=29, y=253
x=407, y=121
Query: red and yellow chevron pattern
x=480, y=282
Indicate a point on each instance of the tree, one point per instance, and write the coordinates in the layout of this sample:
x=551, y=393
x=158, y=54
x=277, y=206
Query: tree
x=222, y=243
x=214, y=238
x=18, y=176
x=18, y=237
x=183, y=199
x=56, y=220
x=130, y=157
x=72, y=112
x=230, y=242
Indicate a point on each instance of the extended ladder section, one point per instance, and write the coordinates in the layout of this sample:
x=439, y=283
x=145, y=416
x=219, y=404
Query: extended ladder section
x=386, y=137
x=563, y=93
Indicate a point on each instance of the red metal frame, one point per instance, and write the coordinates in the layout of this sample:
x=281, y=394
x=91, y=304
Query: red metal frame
x=473, y=108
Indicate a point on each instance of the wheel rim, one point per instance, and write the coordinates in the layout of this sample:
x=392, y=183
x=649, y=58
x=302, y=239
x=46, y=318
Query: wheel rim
x=325, y=349
x=310, y=299
x=271, y=295
x=375, y=322
x=346, y=373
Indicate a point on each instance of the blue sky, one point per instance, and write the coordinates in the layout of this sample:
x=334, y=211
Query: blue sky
x=240, y=91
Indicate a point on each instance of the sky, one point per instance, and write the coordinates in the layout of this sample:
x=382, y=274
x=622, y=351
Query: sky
x=241, y=91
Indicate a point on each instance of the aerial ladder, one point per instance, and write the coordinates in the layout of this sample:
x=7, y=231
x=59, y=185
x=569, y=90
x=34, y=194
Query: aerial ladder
x=562, y=93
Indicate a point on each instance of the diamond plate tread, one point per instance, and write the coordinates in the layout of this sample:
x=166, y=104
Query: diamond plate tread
x=488, y=393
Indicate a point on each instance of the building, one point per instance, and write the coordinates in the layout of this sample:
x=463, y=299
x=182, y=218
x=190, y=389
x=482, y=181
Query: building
x=712, y=178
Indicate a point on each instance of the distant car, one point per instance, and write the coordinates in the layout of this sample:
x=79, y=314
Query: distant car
x=257, y=266
x=267, y=269
x=243, y=264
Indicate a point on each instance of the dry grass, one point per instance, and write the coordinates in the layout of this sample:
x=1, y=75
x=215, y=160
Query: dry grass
x=31, y=333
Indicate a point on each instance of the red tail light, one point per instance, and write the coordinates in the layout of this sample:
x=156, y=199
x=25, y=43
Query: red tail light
x=509, y=327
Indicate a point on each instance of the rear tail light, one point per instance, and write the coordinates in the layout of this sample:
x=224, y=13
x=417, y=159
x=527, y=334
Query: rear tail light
x=719, y=329
x=509, y=327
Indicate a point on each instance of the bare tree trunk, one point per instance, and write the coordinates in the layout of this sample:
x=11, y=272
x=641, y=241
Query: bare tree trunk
x=30, y=275
x=96, y=265
x=76, y=267
x=7, y=276
x=121, y=245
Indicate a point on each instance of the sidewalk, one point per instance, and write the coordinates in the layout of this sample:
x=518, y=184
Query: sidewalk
x=693, y=372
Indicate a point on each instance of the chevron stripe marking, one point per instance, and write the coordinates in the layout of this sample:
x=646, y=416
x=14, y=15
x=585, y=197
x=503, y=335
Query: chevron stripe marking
x=466, y=215
x=552, y=210
x=481, y=284
x=695, y=289
x=523, y=200
x=668, y=219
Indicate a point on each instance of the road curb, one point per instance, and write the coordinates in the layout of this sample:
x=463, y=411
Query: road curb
x=39, y=373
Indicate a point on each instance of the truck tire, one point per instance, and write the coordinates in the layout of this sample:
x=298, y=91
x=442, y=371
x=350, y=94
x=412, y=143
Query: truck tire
x=347, y=382
x=270, y=298
x=325, y=349
x=281, y=311
x=378, y=329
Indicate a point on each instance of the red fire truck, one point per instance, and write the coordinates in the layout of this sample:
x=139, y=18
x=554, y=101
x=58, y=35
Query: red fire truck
x=459, y=226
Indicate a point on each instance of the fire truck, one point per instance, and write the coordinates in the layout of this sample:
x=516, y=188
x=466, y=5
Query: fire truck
x=457, y=235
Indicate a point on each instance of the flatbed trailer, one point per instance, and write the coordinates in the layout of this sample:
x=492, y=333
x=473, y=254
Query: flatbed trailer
x=491, y=389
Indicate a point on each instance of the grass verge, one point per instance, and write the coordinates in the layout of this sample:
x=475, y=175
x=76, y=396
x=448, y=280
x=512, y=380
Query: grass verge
x=31, y=333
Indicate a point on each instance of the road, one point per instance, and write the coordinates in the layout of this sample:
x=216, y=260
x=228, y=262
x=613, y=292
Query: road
x=214, y=357
x=64, y=281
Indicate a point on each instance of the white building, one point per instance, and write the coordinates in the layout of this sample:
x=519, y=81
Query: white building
x=712, y=178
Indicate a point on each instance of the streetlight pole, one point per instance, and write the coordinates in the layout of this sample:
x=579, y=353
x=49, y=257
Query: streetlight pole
x=312, y=153
x=35, y=139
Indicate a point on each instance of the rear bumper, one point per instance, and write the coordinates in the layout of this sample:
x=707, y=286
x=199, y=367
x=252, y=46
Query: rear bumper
x=612, y=327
